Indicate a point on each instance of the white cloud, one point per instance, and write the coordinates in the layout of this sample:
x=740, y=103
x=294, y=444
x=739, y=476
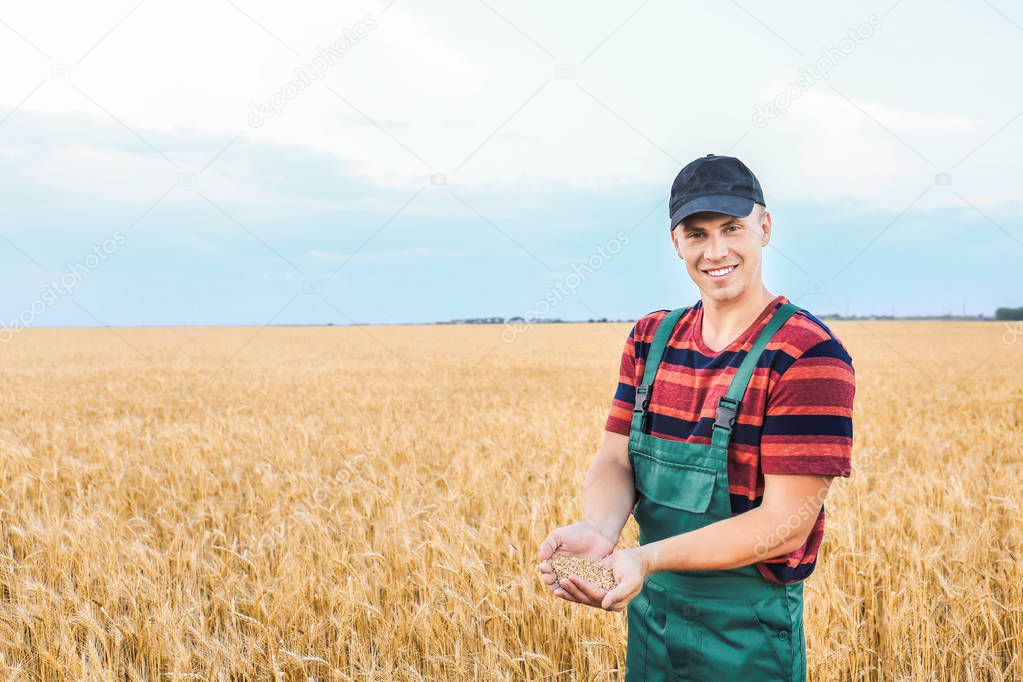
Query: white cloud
x=825, y=148
x=442, y=81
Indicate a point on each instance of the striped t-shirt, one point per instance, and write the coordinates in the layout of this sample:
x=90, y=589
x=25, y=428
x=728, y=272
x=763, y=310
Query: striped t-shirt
x=795, y=418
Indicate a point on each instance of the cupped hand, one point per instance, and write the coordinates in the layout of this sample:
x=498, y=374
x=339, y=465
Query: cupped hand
x=580, y=539
x=630, y=569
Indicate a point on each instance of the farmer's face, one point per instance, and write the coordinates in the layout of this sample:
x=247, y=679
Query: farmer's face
x=730, y=248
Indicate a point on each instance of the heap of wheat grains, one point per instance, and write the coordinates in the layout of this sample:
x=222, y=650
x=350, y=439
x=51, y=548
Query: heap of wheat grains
x=588, y=569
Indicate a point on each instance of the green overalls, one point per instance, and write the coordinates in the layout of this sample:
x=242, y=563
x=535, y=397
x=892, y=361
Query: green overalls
x=711, y=626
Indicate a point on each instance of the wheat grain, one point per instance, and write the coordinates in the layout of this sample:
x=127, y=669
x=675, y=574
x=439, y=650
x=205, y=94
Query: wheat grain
x=587, y=569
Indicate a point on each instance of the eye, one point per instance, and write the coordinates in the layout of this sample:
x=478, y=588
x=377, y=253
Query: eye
x=694, y=234
x=737, y=227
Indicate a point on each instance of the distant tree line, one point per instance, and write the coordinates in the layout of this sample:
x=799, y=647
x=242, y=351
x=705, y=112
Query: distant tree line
x=1009, y=314
x=513, y=320
x=1000, y=314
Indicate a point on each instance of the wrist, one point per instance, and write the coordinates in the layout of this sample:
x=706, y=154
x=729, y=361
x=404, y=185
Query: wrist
x=606, y=528
x=649, y=559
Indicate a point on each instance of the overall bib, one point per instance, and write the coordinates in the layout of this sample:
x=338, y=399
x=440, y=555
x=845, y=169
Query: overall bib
x=717, y=625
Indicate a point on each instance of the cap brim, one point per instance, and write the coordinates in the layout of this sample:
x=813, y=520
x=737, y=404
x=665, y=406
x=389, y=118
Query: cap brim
x=740, y=207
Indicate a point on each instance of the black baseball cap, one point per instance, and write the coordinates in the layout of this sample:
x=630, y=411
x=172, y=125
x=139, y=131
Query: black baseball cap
x=722, y=184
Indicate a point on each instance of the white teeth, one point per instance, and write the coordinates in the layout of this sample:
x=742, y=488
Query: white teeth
x=722, y=271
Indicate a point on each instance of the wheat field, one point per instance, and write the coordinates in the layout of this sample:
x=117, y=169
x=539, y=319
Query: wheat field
x=365, y=503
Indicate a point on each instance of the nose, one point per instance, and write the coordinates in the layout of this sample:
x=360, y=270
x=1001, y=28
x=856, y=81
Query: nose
x=716, y=249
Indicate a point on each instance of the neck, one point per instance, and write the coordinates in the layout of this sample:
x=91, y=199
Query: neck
x=724, y=321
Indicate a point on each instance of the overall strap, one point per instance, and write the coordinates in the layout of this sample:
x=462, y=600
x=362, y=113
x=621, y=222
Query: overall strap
x=729, y=403
x=640, y=411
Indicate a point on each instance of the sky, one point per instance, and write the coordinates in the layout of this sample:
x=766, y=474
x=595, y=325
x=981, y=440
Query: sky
x=243, y=162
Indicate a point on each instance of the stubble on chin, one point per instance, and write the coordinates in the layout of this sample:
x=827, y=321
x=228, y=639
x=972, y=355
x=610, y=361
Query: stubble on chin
x=725, y=294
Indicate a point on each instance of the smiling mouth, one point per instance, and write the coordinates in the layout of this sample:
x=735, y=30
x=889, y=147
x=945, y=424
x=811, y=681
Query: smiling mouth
x=720, y=272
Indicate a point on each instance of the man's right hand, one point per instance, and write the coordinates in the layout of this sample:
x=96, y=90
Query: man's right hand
x=580, y=539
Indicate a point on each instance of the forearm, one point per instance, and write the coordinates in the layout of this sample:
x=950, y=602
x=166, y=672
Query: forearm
x=740, y=540
x=608, y=496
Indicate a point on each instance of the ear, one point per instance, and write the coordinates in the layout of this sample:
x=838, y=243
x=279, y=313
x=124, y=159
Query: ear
x=675, y=237
x=765, y=226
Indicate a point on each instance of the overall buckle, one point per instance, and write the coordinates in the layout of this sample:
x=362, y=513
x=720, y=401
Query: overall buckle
x=642, y=398
x=725, y=416
x=642, y=404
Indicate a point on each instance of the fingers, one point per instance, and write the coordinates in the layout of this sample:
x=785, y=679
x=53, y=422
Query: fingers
x=576, y=590
x=546, y=571
x=559, y=592
x=593, y=594
x=582, y=591
x=573, y=591
x=610, y=600
x=548, y=546
x=618, y=598
x=550, y=579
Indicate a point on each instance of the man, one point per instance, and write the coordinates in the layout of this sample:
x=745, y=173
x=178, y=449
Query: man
x=743, y=416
